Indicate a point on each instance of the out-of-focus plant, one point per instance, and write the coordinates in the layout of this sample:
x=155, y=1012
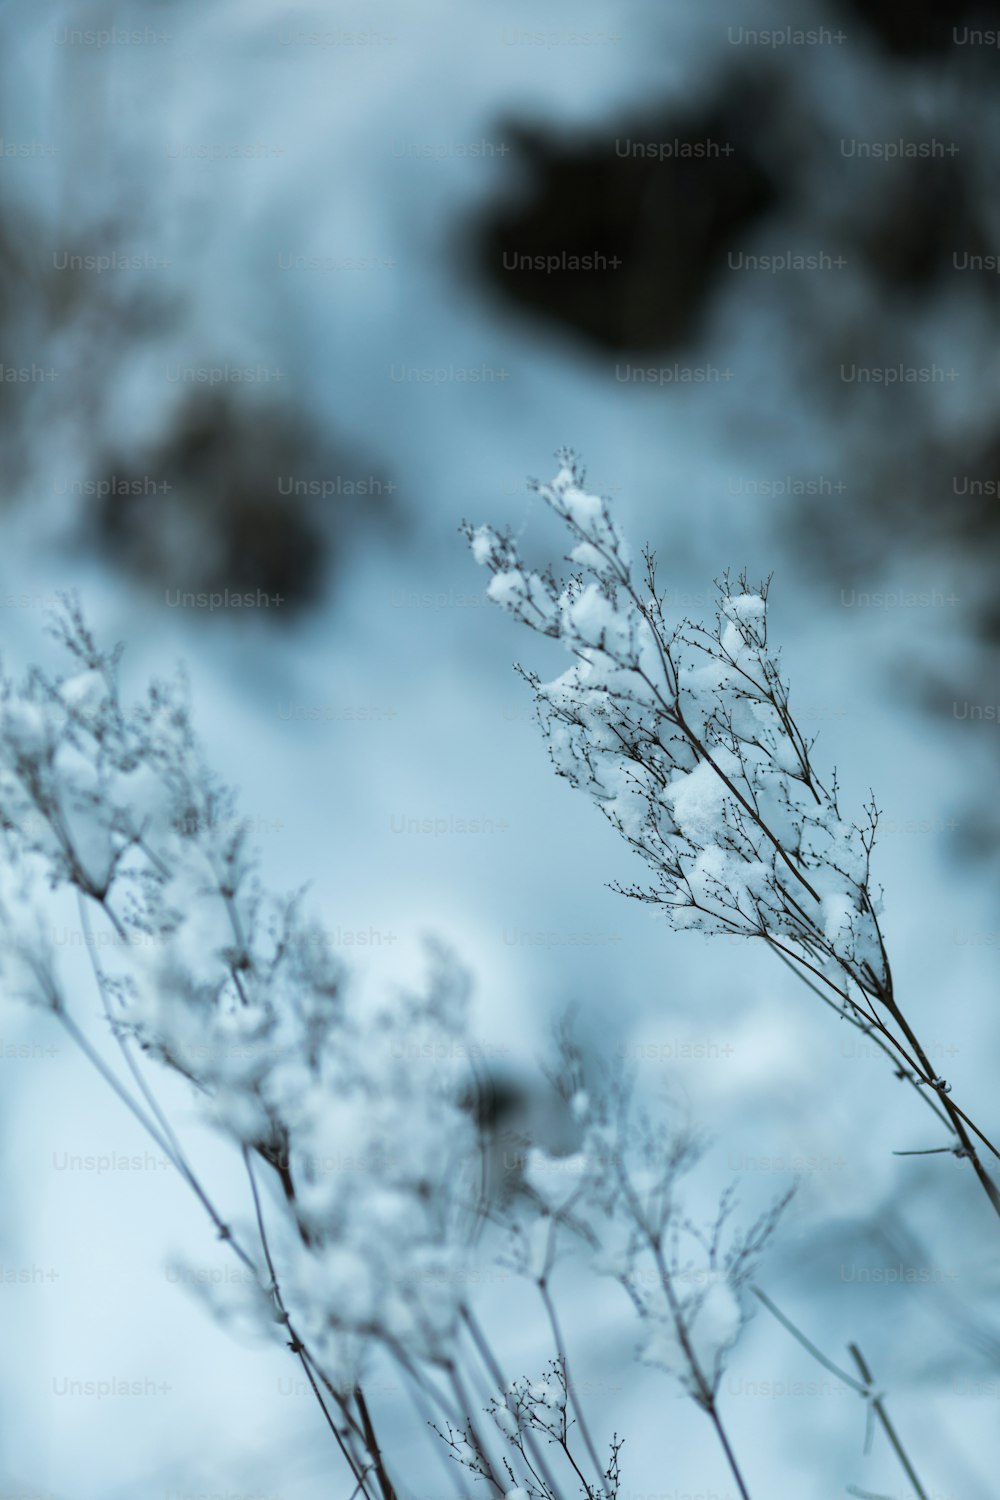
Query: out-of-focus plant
x=365, y=1200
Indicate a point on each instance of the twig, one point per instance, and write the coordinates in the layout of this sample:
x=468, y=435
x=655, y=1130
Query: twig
x=864, y=1387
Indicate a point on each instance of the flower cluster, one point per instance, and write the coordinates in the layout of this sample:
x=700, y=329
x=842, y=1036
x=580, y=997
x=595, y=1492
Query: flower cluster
x=373, y=1163
x=619, y=1200
x=683, y=736
x=242, y=994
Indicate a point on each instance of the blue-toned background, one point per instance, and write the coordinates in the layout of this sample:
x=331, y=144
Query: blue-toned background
x=316, y=349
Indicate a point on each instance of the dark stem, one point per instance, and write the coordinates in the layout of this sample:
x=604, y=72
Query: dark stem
x=954, y=1114
x=887, y=1426
x=571, y=1394
x=371, y=1443
x=957, y=1119
x=295, y=1343
x=727, y=1450
x=864, y=1387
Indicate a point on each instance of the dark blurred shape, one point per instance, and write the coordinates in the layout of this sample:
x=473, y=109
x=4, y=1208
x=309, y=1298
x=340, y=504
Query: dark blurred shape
x=913, y=28
x=923, y=514
x=494, y=1101
x=513, y=1114
x=971, y=483
x=25, y=322
x=13, y=270
x=668, y=220
x=240, y=496
x=939, y=500
x=928, y=211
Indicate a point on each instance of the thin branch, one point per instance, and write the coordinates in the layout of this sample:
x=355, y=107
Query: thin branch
x=865, y=1388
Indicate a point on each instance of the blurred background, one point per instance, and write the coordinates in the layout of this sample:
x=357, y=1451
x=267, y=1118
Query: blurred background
x=288, y=292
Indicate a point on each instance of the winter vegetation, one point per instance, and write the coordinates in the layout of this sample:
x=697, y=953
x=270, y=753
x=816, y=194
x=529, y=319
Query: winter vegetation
x=295, y=1206
x=684, y=736
x=364, y=1176
x=372, y=1203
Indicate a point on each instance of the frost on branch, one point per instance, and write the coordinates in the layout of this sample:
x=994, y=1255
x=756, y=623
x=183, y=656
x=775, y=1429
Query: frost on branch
x=237, y=991
x=683, y=735
x=618, y=1201
x=533, y=1415
x=353, y=1109
x=615, y=1205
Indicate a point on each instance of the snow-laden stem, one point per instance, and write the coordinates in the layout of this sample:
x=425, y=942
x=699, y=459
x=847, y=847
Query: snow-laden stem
x=296, y=1344
x=685, y=738
x=83, y=1045
x=231, y=987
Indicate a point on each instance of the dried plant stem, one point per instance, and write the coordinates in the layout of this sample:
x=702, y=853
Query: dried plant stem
x=918, y=1070
x=372, y=1444
x=878, y=1407
x=297, y=1345
x=706, y=1395
x=685, y=738
x=865, y=1387
x=563, y=1356
x=955, y=1115
x=116, y=1030
x=571, y=1393
x=83, y=1044
x=727, y=1450
x=502, y=1384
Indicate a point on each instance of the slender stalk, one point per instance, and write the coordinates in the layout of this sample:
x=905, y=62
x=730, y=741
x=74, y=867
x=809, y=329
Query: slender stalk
x=224, y=1231
x=727, y=1450
x=807, y=1344
x=880, y=1412
x=418, y=1397
x=865, y=1387
x=296, y=1344
x=371, y=1443
x=954, y=1114
x=499, y=1380
x=574, y=1400
x=957, y=1120
x=706, y=1395
x=864, y=1027
x=97, y=1062
x=116, y=1030
x=465, y=1406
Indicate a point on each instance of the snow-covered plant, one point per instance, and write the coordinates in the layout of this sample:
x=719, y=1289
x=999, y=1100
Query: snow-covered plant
x=614, y=1204
x=684, y=736
x=618, y=1201
x=366, y=1212
x=371, y=1162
